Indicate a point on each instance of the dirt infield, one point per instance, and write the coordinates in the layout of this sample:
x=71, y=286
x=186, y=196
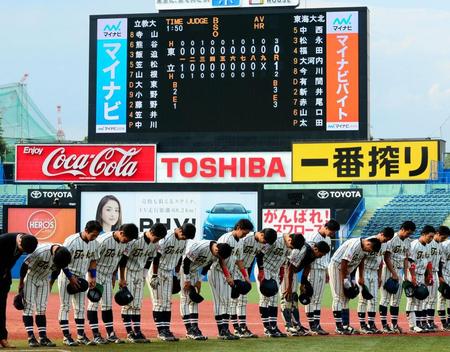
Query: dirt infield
x=207, y=323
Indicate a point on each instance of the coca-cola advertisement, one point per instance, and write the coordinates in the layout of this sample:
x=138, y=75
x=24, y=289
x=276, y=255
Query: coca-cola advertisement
x=85, y=163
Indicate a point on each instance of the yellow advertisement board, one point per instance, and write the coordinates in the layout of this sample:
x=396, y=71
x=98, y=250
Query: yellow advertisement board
x=412, y=160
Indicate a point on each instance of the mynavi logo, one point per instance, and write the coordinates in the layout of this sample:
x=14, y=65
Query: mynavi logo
x=36, y=194
x=323, y=194
x=112, y=27
x=340, y=21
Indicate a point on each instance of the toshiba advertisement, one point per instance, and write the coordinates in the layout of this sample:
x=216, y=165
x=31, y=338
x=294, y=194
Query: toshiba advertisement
x=256, y=167
x=47, y=224
x=213, y=213
x=85, y=163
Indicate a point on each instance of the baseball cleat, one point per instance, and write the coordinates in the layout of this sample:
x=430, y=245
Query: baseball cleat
x=366, y=330
x=131, y=337
x=291, y=331
x=342, y=331
x=190, y=334
x=387, y=330
x=396, y=329
x=112, y=338
x=140, y=337
x=198, y=335
x=167, y=335
x=227, y=335
x=303, y=331
x=270, y=333
x=352, y=331
x=375, y=330
x=99, y=340
x=83, y=340
x=319, y=331
x=32, y=342
x=416, y=329
x=278, y=332
x=431, y=327
x=445, y=327
x=69, y=341
x=45, y=341
x=246, y=333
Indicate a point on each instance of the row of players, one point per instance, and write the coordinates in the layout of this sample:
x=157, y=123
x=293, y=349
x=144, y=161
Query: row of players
x=161, y=258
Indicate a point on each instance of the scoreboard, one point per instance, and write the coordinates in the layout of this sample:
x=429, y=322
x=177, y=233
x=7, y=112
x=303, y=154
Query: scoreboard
x=226, y=80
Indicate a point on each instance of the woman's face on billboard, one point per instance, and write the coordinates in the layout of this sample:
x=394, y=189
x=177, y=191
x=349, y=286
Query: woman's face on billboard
x=110, y=214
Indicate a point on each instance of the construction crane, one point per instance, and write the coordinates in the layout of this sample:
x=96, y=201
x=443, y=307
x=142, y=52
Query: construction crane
x=60, y=135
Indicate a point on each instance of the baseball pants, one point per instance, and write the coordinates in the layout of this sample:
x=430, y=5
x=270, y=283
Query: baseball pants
x=188, y=307
x=162, y=295
x=340, y=302
x=106, y=300
x=371, y=281
x=317, y=278
x=35, y=296
x=78, y=300
x=264, y=301
x=389, y=299
x=442, y=303
x=284, y=304
x=221, y=292
x=433, y=289
x=412, y=303
x=135, y=284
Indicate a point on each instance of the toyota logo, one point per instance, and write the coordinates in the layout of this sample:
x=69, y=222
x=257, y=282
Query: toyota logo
x=36, y=194
x=323, y=194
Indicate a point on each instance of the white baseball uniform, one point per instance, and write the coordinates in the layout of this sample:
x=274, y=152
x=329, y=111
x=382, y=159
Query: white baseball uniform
x=137, y=252
x=420, y=254
x=171, y=250
x=399, y=251
x=351, y=251
x=435, y=250
x=220, y=289
x=318, y=274
x=82, y=254
x=445, y=259
x=36, y=283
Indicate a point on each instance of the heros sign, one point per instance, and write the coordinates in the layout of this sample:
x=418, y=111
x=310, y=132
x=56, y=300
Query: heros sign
x=85, y=163
x=47, y=224
x=224, y=167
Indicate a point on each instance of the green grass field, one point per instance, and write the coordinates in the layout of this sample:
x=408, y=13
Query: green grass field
x=310, y=344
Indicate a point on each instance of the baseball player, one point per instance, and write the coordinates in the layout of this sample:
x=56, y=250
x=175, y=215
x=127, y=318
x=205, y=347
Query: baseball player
x=221, y=277
x=444, y=277
x=167, y=260
x=83, y=249
x=419, y=256
x=269, y=262
x=396, y=263
x=111, y=246
x=200, y=255
x=372, y=278
x=47, y=259
x=435, y=248
x=318, y=275
x=349, y=256
x=251, y=245
x=132, y=268
x=299, y=260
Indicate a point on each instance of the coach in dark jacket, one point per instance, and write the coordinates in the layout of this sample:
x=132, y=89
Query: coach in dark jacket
x=12, y=246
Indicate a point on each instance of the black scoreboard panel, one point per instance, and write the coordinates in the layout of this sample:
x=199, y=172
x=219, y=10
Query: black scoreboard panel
x=227, y=80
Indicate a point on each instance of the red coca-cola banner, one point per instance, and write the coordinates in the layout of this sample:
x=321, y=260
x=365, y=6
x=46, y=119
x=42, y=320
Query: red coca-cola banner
x=85, y=163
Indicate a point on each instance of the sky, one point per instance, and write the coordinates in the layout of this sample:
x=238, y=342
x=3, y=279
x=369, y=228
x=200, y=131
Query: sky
x=409, y=64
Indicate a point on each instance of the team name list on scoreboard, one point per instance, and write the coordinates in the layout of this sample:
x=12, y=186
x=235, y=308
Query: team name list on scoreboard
x=252, y=71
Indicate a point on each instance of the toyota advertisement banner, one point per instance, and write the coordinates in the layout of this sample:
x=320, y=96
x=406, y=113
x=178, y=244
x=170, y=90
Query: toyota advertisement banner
x=85, y=163
x=50, y=197
x=49, y=225
x=213, y=213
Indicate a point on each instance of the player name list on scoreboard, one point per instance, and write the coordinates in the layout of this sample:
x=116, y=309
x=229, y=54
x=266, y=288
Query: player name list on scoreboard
x=283, y=71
